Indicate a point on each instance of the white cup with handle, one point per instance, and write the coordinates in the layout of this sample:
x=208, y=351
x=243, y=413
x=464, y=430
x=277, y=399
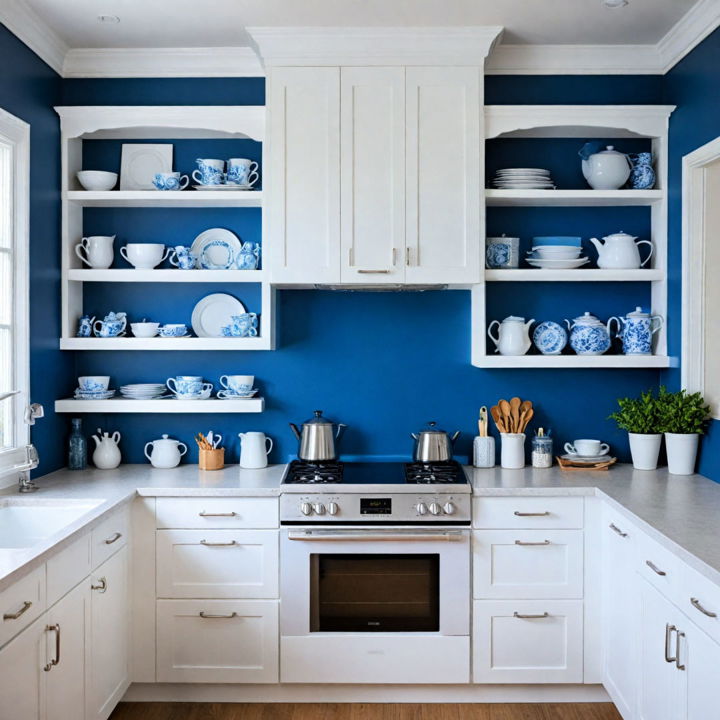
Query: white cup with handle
x=254, y=449
x=587, y=448
x=145, y=256
x=96, y=251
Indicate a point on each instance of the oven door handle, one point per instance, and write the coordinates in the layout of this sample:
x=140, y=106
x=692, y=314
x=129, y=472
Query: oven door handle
x=390, y=536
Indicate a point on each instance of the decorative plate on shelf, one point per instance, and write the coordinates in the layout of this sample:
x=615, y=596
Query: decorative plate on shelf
x=213, y=312
x=216, y=249
x=140, y=163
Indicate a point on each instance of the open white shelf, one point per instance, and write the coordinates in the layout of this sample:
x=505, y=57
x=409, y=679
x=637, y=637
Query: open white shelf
x=123, y=405
x=577, y=275
x=165, y=198
x=165, y=276
x=573, y=361
x=573, y=198
x=158, y=343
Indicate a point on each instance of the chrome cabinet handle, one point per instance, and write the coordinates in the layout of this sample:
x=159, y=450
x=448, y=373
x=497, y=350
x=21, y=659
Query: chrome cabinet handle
x=209, y=616
x=215, y=544
x=202, y=513
x=407, y=256
x=113, y=538
x=533, y=514
x=14, y=616
x=530, y=617
x=669, y=630
x=101, y=586
x=655, y=568
x=677, y=650
x=696, y=604
x=521, y=542
x=56, y=660
x=616, y=529
x=374, y=272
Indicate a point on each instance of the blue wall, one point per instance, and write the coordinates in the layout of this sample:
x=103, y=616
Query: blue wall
x=28, y=90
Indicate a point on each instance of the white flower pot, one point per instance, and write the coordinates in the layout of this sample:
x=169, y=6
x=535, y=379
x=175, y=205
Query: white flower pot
x=681, y=452
x=645, y=449
x=512, y=450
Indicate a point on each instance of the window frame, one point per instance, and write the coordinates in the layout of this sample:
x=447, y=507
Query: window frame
x=17, y=132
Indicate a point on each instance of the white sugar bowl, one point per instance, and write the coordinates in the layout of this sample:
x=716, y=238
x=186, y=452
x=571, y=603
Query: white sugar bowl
x=165, y=453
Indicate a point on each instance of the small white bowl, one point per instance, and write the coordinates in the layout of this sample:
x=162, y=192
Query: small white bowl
x=556, y=252
x=94, y=383
x=144, y=329
x=97, y=180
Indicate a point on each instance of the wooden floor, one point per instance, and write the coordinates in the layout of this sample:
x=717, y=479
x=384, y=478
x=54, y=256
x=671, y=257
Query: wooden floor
x=363, y=711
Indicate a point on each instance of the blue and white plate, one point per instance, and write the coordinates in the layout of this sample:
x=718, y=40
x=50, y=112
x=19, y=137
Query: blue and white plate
x=216, y=249
x=101, y=395
x=550, y=338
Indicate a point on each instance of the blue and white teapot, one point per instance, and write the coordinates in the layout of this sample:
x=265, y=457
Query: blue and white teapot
x=113, y=325
x=636, y=330
x=588, y=336
x=249, y=256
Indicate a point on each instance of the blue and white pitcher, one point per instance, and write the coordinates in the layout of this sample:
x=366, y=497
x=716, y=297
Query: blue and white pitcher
x=642, y=175
x=182, y=258
x=249, y=256
x=85, y=327
x=636, y=330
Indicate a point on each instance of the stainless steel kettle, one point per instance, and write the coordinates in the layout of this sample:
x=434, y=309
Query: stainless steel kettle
x=433, y=445
x=317, y=439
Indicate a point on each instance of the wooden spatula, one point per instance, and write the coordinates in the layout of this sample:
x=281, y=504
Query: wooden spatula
x=505, y=413
x=515, y=414
x=497, y=417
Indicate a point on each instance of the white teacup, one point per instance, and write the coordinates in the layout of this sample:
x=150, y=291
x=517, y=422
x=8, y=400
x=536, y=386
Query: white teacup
x=144, y=329
x=145, y=256
x=94, y=383
x=237, y=384
x=587, y=448
x=96, y=251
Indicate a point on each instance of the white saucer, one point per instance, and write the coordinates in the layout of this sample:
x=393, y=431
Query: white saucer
x=558, y=264
x=587, y=458
x=223, y=187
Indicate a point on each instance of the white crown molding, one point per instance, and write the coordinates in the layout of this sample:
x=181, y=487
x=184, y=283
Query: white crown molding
x=702, y=19
x=161, y=62
x=373, y=46
x=28, y=27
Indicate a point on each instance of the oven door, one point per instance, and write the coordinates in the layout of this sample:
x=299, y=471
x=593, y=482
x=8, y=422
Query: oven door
x=365, y=580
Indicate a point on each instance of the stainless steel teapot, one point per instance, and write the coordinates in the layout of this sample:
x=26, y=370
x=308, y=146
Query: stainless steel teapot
x=317, y=438
x=433, y=445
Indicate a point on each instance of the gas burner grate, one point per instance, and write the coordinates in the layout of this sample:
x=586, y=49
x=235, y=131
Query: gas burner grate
x=309, y=473
x=434, y=473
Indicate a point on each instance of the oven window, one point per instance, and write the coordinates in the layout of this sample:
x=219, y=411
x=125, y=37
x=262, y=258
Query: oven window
x=374, y=593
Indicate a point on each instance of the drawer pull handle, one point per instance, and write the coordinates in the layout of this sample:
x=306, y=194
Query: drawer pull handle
x=696, y=604
x=56, y=660
x=526, y=514
x=113, y=539
x=655, y=568
x=522, y=542
x=677, y=650
x=202, y=513
x=101, y=586
x=669, y=630
x=208, y=616
x=214, y=544
x=14, y=616
x=616, y=529
x=531, y=617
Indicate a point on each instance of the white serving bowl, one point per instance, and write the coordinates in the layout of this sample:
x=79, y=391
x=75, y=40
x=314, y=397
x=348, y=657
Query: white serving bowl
x=556, y=252
x=97, y=180
x=144, y=329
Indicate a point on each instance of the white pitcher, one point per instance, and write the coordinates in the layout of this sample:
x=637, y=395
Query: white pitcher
x=96, y=251
x=513, y=335
x=107, y=452
x=254, y=450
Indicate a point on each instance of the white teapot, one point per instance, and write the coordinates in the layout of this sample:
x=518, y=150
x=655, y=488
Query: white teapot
x=620, y=251
x=513, y=335
x=605, y=170
x=165, y=453
x=107, y=453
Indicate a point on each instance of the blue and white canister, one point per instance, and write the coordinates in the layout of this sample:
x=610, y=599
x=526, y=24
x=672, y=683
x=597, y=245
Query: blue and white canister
x=642, y=175
x=502, y=252
x=550, y=338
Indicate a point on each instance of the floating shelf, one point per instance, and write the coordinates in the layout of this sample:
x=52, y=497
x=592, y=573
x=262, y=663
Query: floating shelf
x=573, y=361
x=158, y=343
x=166, y=198
x=577, y=275
x=568, y=198
x=123, y=405
x=180, y=276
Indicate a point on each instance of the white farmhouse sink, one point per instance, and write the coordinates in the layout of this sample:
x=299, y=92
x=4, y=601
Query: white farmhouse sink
x=24, y=522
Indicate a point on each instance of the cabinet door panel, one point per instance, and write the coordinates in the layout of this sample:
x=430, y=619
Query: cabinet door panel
x=302, y=219
x=22, y=683
x=701, y=655
x=372, y=151
x=443, y=189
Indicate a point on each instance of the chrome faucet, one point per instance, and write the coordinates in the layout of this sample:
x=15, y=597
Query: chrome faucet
x=25, y=484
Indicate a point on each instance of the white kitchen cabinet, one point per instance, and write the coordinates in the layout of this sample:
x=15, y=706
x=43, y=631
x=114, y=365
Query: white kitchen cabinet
x=108, y=637
x=220, y=513
x=22, y=681
x=701, y=656
x=302, y=218
x=217, y=641
x=21, y=603
x=372, y=175
x=443, y=175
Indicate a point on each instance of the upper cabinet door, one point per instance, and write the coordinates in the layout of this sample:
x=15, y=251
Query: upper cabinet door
x=372, y=151
x=302, y=216
x=444, y=157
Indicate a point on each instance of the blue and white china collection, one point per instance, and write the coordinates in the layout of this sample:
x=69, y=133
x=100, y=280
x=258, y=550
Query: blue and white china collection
x=588, y=336
x=173, y=330
x=237, y=384
x=217, y=255
x=189, y=387
x=642, y=175
x=502, y=252
x=85, y=326
x=635, y=330
x=242, y=325
x=249, y=256
x=182, y=257
x=210, y=171
x=112, y=325
x=550, y=338
x=170, y=181
x=93, y=387
x=96, y=251
x=241, y=171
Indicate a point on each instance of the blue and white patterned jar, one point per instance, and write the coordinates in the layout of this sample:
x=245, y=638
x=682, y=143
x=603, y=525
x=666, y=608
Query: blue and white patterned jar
x=642, y=175
x=636, y=330
x=550, y=338
x=502, y=252
x=588, y=336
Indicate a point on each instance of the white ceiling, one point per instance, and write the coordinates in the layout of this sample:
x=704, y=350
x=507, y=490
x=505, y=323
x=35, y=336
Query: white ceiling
x=221, y=23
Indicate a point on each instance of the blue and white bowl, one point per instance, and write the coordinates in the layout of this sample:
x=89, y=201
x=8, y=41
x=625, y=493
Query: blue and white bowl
x=173, y=330
x=550, y=338
x=93, y=383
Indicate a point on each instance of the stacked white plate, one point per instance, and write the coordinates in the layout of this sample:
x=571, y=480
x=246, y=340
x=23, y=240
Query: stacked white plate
x=523, y=179
x=556, y=257
x=143, y=391
x=97, y=395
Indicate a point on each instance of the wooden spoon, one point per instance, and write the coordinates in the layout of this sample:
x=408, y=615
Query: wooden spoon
x=515, y=413
x=526, y=405
x=505, y=412
x=525, y=419
x=495, y=412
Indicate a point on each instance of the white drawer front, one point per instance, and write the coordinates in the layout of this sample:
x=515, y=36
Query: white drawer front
x=21, y=603
x=699, y=599
x=528, y=564
x=528, y=641
x=239, y=645
x=658, y=566
x=528, y=512
x=108, y=537
x=217, y=512
x=66, y=569
x=217, y=563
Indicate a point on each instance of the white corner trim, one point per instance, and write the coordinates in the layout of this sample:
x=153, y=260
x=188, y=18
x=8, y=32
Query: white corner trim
x=702, y=19
x=28, y=27
x=161, y=62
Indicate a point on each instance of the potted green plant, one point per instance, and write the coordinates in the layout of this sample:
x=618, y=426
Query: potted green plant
x=639, y=416
x=683, y=417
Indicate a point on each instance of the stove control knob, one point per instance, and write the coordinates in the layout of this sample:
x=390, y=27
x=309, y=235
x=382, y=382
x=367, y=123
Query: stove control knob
x=449, y=508
x=333, y=508
x=421, y=508
x=319, y=508
x=306, y=508
x=434, y=508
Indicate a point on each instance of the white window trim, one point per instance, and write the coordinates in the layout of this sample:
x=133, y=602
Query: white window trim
x=692, y=368
x=17, y=132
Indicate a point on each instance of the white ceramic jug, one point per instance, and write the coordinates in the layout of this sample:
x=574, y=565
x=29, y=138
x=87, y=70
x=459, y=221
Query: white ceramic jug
x=165, y=453
x=254, y=450
x=620, y=251
x=107, y=452
x=513, y=335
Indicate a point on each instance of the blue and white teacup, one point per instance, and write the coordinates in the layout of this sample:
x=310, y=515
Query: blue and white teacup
x=242, y=171
x=249, y=256
x=188, y=385
x=172, y=330
x=209, y=172
x=113, y=325
x=237, y=384
x=94, y=383
x=170, y=181
x=243, y=325
x=182, y=258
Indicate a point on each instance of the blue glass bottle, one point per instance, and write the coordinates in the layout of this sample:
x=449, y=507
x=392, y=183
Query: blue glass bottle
x=77, y=447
